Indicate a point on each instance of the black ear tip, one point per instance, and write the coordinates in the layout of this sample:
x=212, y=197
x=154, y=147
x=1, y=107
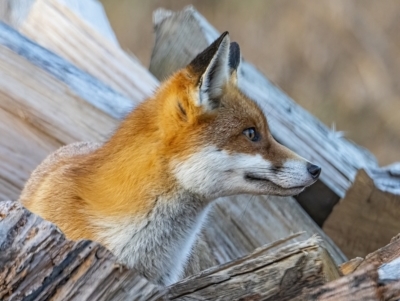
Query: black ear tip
x=234, y=55
x=203, y=59
x=225, y=33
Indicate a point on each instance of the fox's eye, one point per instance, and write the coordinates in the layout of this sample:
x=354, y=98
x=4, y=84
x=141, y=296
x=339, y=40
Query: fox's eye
x=252, y=134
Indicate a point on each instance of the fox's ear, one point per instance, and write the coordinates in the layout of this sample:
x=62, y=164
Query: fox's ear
x=234, y=61
x=211, y=67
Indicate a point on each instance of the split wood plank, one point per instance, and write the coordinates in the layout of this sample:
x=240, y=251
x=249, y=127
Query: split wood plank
x=45, y=102
x=240, y=224
x=365, y=219
x=53, y=25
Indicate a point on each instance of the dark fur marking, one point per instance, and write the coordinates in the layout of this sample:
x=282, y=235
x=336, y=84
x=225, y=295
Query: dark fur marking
x=182, y=109
x=200, y=63
x=234, y=56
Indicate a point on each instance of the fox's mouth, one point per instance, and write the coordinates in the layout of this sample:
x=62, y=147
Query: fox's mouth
x=256, y=178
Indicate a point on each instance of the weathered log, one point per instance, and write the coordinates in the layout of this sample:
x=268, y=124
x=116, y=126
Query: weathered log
x=232, y=231
x=49, y=103
x=285, y=274
x=240, y=224
x=56, y=26
x=180, y=36
x=38, y=263
x=365, y=220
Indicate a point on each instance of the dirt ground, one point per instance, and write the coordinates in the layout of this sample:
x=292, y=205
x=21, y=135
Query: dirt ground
x=339, y=59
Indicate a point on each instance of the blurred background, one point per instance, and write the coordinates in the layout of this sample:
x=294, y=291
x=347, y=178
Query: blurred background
x=339, y=59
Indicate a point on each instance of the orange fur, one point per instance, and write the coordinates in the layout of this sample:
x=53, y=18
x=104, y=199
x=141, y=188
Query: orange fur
x=85, y=185
x=121, y=177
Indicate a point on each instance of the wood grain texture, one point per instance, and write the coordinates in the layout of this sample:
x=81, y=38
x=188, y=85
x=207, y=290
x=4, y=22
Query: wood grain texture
x=180, y=36
x=371, y=282
x=45, y=102
x=281, y=275
x=14, y=12
x=365, y=219
x=38, y=263
x=74, y=39
x=361, y=285
x=383, y=255
x=240, y=224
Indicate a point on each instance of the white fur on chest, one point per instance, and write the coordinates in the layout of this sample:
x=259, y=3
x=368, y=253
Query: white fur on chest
x=159, y=244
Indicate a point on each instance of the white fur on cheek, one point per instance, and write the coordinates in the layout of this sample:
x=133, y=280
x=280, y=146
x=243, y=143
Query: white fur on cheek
x=215, y=173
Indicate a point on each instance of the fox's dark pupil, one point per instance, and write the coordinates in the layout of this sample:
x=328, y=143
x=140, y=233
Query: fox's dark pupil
x=251, y=134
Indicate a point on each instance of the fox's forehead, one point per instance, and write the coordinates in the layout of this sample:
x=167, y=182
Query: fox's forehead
x=237, y=106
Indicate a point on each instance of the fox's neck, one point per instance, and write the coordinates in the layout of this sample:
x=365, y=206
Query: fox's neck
x=159, y=244
x=140, y=212
x=127, y=174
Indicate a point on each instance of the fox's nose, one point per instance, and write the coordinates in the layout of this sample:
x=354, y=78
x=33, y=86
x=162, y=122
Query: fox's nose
x=314, y=170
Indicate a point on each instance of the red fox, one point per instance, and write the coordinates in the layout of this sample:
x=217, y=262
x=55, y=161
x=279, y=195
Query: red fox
x=145, y=193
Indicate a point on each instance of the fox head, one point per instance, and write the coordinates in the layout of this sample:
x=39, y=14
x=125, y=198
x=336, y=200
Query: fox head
x=218, y=140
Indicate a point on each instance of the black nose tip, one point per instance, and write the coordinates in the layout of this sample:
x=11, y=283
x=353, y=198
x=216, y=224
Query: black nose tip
x=314, y=170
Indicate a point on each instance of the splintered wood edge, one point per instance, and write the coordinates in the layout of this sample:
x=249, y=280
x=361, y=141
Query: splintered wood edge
x=383, y=255
x=37, y=261
x=234, y=268
x=351, y=265
x=372, y=282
